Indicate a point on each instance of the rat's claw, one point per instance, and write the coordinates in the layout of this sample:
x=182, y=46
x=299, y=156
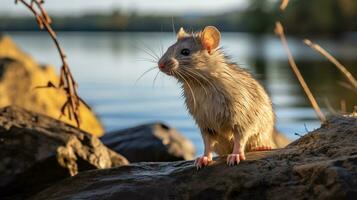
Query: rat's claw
x=202, y=162
x=233, y=159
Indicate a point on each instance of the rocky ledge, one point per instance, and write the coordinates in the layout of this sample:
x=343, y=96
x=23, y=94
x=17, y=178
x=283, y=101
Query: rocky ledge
x=36, y=151
x=20, y=74
x=319, y=165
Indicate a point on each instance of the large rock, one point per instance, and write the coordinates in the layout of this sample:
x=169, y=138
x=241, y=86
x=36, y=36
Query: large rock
x=320, y=165
x=154, y=142
x=37, y=151
x=20, y=74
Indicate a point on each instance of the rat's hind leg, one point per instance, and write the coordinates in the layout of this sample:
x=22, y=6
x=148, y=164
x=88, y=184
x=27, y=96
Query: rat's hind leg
x=237, y=154
x=207, y=156
x=263, y=141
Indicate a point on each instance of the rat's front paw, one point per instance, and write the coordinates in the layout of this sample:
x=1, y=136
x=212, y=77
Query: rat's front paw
x=202, y=161
x=233, y=159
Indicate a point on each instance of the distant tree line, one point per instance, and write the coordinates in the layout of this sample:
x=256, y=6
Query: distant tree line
x=301, y=17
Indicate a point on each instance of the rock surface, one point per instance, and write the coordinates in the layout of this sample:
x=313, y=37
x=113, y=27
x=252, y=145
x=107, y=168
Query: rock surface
x=37, y=151
x=154, y=142
x=319, y=165
x=20, y=74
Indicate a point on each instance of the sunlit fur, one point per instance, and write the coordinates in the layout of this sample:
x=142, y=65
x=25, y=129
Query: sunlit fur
x=224, y=99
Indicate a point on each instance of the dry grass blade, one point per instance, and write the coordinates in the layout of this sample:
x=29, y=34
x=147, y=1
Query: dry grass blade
x=343, y=106
x=333, y=60
x=329, y=106
x=279, y=30
x=284, y=4
x=67, y=82
x=347, y=86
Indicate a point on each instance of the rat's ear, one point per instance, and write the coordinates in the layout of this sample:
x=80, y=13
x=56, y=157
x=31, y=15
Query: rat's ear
x=210, y=38
x=181, y=33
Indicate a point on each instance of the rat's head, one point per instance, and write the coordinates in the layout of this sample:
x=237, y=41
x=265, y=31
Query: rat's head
x=191, y=52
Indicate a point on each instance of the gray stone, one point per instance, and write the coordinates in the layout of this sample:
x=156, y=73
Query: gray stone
x=319, y=165
x=37, y=151
x=154, y=142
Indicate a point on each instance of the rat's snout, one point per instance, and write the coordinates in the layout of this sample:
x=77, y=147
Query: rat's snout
x=161, y=65
x=167, y=66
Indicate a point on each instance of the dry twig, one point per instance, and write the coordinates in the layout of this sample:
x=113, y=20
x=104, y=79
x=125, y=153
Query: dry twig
x=279, y=30
x=67, y=83
x=284, y=4
x=343, y=106
x=347, y=86
x=333, y=60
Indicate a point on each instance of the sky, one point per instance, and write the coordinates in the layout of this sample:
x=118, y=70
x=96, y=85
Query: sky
x=77, y=7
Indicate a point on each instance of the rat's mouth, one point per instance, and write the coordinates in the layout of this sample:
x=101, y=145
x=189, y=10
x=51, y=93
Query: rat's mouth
x=168, y=67
x=167, y=72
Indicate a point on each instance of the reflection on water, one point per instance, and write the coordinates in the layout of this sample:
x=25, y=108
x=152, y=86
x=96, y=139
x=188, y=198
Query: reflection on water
x=107, y=65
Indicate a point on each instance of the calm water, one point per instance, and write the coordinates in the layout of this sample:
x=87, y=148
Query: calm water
x=107, y=65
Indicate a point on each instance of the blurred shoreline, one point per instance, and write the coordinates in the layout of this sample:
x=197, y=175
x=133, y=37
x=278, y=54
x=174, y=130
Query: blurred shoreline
x=335, y=18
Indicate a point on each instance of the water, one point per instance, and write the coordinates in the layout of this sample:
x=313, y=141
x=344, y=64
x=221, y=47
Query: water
x=107, y=65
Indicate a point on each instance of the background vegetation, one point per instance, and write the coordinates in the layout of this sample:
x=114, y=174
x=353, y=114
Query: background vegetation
x=319, y=17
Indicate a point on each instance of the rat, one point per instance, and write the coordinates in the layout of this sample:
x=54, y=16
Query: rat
x=231, y=108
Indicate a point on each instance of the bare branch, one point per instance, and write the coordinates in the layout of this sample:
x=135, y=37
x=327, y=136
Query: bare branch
x=49, y=85
x=284, y=4
x=279, y=30
x=347, y=86
x=66, y=79
x=333, y=60
x=43, y=11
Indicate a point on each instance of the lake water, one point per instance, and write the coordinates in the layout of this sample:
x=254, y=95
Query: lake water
x=107, y=65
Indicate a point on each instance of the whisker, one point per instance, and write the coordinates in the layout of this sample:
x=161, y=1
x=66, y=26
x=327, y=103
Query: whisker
x=143, y=74
x=189, y=86
x=146, y=60
x=194, y=39
x=173, y=27
x=161, y=47
x=184, y=72
x=162, y=80
x=152, y=51
x=146, y=52
x=200, y=75
x=173, y=52
x=149, y=54
x=153, y=82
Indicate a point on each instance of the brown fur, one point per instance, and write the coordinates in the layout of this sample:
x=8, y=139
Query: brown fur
x=224, y=99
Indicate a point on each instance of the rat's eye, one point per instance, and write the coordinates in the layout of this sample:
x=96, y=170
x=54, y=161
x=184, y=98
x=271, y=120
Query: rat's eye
x=185, y=52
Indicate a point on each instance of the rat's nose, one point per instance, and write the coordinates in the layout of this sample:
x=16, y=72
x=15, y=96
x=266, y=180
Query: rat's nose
x=161, y=65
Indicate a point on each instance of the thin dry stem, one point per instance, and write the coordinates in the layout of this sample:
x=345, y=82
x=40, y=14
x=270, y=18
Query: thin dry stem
x=284, y=4
x=67, y=82
x=343, y=106
x=329, y=106
x=347, y=86
x=279, y=30
x=333, y=60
